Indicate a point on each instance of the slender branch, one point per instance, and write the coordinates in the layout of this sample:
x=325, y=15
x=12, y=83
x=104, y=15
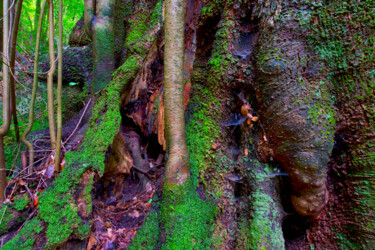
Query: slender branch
x=51, y=113
x=59, y=91
x=6, y=98
x=79, y=122
x=12, y=63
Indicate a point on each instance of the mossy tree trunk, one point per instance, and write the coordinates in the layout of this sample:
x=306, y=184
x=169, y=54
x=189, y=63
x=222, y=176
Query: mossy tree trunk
x=241, y=53
x=99, y=24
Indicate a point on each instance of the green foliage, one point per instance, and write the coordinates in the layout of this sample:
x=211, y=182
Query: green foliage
x=73, y=11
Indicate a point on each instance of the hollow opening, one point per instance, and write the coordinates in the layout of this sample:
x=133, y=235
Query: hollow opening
x=294, y=228
x=206, y=37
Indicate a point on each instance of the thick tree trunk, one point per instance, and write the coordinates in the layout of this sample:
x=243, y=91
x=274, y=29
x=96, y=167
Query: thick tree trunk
x=259, y=130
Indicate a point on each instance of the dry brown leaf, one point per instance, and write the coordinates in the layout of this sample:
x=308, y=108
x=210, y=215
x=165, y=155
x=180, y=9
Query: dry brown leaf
x=255, y=119
x=91, y=243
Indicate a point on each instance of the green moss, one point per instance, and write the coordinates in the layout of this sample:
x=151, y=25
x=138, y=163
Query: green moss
x=27, y=236
x=148, y=234
x=342, y=34
x=5, y=216
x=263, y=229
x=57, y=205
x=141, y=27
x=21, y=202
x=201, y=132
x=188, y=221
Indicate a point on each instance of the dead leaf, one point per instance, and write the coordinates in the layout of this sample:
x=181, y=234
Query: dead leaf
x=49, y=171
x=245, y=109
x=215, y=146
x=22, y=182
x=255, y=119
x=35, y=200
x=91, y=243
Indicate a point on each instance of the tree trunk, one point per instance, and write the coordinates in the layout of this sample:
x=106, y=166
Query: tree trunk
x=59, y=90
x=6, y=99
x=13, y=50
x=177, y=168
x=280, y=113
x=51, y=72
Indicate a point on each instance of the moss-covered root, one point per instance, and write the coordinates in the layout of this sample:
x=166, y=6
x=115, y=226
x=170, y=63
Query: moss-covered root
x=188, y=221
x=296, y=110
x=263, y=231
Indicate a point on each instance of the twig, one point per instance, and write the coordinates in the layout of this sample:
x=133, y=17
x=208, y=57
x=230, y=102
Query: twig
x=28, y=218
x=75, y=129
x=3, y=214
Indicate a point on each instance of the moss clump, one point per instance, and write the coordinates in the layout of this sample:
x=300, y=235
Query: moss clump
x=201, y=132
x=148, y=235
x=263, y=230
x=188, y=221
x=27, y=237
x=5, y=216
x=21, y=202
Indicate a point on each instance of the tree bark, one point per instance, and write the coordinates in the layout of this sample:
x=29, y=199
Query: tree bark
x=59, y=90
x=6, y=98
x=177, y=168
x=51, y=112
x=13, y=50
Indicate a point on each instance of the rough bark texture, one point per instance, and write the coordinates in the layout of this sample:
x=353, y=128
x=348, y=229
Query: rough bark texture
x=295, y=107
x=267, y=82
